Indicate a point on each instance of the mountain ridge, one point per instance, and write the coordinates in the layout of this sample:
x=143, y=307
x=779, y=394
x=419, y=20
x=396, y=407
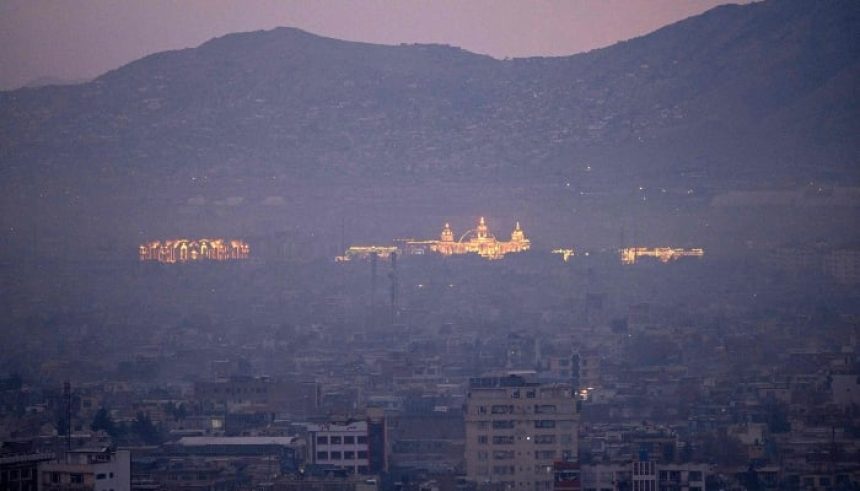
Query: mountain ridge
x=735, y=93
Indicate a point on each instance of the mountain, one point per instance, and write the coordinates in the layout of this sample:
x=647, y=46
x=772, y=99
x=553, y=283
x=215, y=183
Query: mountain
x=756, y=94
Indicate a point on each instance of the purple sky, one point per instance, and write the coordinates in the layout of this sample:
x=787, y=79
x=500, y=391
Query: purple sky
x=73, y=39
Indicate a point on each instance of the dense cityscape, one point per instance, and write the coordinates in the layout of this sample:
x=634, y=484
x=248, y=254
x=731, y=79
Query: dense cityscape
x=444, y=371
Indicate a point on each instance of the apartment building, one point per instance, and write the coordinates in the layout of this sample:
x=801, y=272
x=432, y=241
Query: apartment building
x=87, y=469
x=517, y=429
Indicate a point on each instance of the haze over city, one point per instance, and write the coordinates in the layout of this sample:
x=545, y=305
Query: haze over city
x=428, y=246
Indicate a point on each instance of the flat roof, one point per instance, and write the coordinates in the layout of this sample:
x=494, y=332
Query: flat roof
x=199, y=441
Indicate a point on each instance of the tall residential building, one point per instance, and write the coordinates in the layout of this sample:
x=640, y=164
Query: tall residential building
x=516, y=430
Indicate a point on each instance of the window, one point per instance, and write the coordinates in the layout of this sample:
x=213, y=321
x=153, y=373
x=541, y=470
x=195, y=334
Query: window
x=322, y=455
x=322, y=440
x=335, y=455
x=335, y=440
x=349, y=455
x=503, y=425
x=503, y=454
x=503, y=440
x=502, y=409
x=482, y=439
x=362, y=454
x=76, y=478
x=503, y=469
x=545, y=454
x=695, y=476
x=545, y=409
x=544, y=423
x=483, y=455
x=349, y=440
x=362, y=440
x=55, y=477
x=101, y=476
x=544, y=439
x=483, y=425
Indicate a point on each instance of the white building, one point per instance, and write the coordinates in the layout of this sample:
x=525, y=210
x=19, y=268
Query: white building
x=341, y=444
x=93, y=469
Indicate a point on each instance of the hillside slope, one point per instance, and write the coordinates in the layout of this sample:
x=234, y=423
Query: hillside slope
x=765, y=92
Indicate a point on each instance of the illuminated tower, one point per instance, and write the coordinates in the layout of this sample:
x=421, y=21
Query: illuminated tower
x=482, y=229
x=517, y=235
x=447, y=234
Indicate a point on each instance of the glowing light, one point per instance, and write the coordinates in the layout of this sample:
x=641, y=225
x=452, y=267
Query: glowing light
x=566, y=254
x=184, y=250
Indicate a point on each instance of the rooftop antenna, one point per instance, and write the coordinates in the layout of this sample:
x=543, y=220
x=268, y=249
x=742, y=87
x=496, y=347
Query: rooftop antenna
x=67, y=395
x=374, y=258
x=342, y=234
x=394, y=287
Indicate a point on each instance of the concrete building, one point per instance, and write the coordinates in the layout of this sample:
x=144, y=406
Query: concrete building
x=644, y=476
x=516, y=430
x=279, y=454
x=340, y=444
x=88, y=469
x=295, y=398
x=18, y=467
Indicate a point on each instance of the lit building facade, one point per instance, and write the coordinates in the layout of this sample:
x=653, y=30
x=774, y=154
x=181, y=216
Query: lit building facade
x=478, y=240
x=184, y=250
x=364, y=252
x=518, y=431
x=664, y=254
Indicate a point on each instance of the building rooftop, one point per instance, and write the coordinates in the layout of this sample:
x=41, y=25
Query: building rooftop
x=199, y=441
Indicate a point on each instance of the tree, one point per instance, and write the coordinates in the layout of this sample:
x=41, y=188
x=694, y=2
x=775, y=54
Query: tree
x=103, y=421
x=145, y=430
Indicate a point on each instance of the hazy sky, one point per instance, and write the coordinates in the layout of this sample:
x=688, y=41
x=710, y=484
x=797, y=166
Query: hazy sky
x=76, y=39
